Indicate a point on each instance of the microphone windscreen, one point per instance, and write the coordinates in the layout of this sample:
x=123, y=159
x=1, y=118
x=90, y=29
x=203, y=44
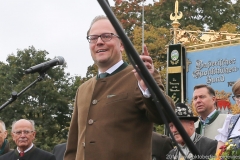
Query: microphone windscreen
x=61, y=60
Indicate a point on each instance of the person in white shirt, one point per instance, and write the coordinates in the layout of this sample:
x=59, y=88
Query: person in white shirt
x=231, y=126
x=113, y=114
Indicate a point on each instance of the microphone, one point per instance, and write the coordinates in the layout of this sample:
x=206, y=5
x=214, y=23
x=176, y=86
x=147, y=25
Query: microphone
x=45, y=65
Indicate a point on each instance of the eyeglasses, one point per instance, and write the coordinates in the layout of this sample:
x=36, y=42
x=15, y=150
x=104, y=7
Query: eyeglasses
x=104, y=37
x=236, y=97
x=26, y=132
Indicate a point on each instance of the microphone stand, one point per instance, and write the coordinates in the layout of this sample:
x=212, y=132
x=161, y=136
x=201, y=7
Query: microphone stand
x=15, y=94
x=147, y=77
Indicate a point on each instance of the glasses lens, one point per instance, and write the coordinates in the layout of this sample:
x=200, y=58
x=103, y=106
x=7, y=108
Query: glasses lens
x=236, y=97
x=106, y=37
x=24, y=132
x=18, y=132
x=92, y=38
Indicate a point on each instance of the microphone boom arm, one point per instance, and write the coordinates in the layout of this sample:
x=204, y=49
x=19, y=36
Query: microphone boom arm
x=15, y=94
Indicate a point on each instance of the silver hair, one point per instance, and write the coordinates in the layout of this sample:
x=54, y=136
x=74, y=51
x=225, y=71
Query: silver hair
x=30, y=121
x=3, y=125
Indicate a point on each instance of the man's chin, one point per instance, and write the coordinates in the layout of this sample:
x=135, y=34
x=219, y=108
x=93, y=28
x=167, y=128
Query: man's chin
x=177, y=136
x=101, y=61
x=199, y=110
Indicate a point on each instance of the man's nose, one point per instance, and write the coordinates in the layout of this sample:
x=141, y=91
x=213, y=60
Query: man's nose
x=22, y=134
x=99, y=41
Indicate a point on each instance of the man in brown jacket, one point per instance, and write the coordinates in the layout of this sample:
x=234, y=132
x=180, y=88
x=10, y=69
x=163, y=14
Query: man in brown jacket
x=112, y=117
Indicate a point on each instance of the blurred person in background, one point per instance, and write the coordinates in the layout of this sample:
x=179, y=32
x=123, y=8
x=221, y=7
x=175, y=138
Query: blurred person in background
x=205, y=146
x=231, y=126
x=4, y=145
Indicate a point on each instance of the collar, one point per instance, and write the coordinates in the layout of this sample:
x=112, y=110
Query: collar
x=113, y=68
x=26, y=149
x=192, y=138
x=206, y=121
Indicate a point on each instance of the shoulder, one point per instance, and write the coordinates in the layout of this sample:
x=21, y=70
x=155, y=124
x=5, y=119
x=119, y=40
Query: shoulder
x=59, y=147
x=207, y=141
x=62, y=145
x=7, y=155
x=90, y=81
x=158, y=136
x=88, y=84
x=44, y=154
x=225, y=115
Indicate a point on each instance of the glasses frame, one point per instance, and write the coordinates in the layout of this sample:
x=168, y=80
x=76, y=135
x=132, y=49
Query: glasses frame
x=25, y=132
x=97, y=36
x=236, y=97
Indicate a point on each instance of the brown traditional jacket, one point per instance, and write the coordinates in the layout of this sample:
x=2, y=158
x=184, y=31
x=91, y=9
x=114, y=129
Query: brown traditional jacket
x=112, y=120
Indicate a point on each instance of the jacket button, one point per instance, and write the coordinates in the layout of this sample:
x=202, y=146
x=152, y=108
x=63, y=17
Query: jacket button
x=90, y=121
x=94, y=101
x=83, y=144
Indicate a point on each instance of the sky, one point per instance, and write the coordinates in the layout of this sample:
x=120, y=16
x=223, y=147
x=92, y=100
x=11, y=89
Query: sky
x=57, y=26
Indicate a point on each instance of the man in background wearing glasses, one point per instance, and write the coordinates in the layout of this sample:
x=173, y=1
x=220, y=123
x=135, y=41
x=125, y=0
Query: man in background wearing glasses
x=113, y=112
x=23, y=134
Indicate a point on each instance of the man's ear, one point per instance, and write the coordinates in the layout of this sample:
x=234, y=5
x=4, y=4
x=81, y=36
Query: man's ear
x=214, y=98
x=121, y=47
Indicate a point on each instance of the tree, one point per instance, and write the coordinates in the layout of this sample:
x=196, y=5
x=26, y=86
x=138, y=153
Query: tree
x=229, y=27
x=49, y=103
x=129, y=14
x=198, y=12
x=91, y=71
x=155, y=40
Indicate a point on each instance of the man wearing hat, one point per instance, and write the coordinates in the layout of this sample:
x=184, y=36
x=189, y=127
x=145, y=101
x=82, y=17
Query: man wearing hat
x=205, y=146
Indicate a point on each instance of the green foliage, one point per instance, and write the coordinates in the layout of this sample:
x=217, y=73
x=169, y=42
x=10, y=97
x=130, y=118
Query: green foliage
x=129, y=14
x=229, y=27
x=159, y=128
x=92, y=71
x=198, y=12
x=49, y=102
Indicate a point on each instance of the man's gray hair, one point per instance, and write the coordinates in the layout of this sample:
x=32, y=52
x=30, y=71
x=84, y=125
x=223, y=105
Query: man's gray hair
x=3, y=125
x=30, y=121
